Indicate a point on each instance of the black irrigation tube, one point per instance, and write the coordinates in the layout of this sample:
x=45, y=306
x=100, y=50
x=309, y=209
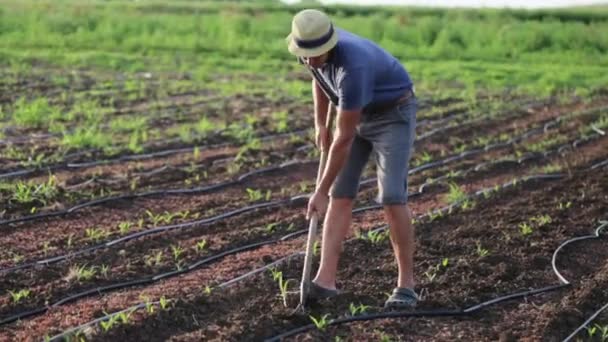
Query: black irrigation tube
x=438, y=163
x=446, y=312
x=65, y=164
x=65, y=334
x=134, y=157
x=454, y=312
x=198, y=190
x=151, y=279
x=206, y=221
x=137, y=282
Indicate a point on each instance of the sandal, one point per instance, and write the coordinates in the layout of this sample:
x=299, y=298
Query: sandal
x=402, y=298
x=316, y=292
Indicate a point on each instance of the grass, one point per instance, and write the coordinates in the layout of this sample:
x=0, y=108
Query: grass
x=543, y=51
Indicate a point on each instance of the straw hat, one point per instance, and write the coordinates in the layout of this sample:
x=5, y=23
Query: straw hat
x=312, y=34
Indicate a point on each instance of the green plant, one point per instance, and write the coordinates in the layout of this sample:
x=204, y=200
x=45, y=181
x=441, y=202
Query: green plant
x=103, y=270
x=254, y=195
x=30, y=192
x=19, y=295
x=357, y=309
x=125, y=227
x=321, y=323
x=525, y=229
x=481, y=252
x=95, y=234
x=541, y=220
x=154, y=259
x=278, y=277
x=200, y=246
x=177, y=251
x=375, y=236
x=164, y=303
x=80, y=273
x=456, y=194
x=271, y=227
x=109, y=323
x=564, y=205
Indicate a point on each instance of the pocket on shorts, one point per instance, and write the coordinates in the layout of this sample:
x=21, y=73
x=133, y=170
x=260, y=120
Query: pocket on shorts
x=407, y=110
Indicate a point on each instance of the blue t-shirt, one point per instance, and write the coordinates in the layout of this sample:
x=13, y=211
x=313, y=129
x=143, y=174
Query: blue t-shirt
x=360, y=73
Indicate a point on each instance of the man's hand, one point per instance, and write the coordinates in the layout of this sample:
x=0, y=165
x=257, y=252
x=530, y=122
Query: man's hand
x=323, y=138
x=317, y=204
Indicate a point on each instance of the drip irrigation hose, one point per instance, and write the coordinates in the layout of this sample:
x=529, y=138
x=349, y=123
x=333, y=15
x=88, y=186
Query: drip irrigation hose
x=137, y=282
x=598, y=233
x=67, y=333
x=458, y=312
x=427, y=166
x=132, y=157
x=428, y=313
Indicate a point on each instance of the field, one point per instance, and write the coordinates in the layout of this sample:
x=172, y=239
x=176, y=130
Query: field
x=155, y=161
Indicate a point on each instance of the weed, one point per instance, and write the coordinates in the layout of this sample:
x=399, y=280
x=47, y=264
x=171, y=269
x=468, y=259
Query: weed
x=103, y=270
x=30, y=192
x=271, y=227
x=541, y=220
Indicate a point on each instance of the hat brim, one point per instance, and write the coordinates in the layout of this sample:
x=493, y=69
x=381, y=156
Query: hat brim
x=295, y=50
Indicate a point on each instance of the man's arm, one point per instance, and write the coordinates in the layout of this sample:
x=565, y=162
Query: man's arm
x=346, y=124
x=320, y=102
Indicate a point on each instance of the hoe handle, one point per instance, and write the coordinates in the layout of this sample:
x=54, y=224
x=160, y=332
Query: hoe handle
x=314, y=221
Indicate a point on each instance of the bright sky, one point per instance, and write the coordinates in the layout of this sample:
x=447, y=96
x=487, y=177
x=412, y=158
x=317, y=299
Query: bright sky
x=469, y=3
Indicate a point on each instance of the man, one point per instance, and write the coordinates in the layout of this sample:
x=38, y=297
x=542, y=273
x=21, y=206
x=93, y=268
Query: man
x=376, y=112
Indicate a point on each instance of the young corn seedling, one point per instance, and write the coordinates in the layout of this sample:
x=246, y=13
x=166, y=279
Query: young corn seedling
x=154, y=260
x=177, y=252
x=541, y=220
x=200, y=246
x=125, y=316
x=207, y=290
x=271, y=227
x=95, y=234
x=155, y=218
x=45, y=248
x=17, y=258
x=591, y=331
x=320, y=323
x=278, y=276
x=254, y=195
x=482, y=252
x=456, y=194
x=125, y=227
x=603, y=332
x=564, y=205
x=431, y=273
x=164, y=303
x=103, y=270
x=525, y=229
x=19, y=295
x=80, y=273
x=109, y=323
x=357, y=309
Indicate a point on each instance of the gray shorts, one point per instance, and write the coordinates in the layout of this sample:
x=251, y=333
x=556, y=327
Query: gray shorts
x=390, y=135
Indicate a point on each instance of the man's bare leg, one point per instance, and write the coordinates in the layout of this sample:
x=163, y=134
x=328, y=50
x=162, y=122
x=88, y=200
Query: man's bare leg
x=336, y=225
x=399, y=219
